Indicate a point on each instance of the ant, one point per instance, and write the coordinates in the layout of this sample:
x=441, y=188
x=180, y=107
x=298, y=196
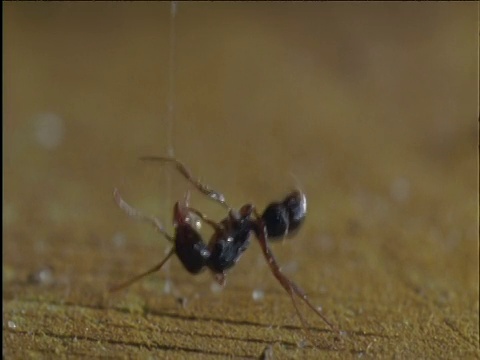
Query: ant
x=231, y=235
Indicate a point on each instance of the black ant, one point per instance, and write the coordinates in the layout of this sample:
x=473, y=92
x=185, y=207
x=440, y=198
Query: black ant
x=231, y=236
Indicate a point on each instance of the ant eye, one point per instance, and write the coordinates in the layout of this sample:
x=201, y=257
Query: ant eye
x=296, y=207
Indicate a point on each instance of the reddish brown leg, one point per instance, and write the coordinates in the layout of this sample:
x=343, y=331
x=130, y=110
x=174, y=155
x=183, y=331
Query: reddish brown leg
x=203, y=188
x=291, y=288
x=220, y=278
x=134, y=213
x=142, y=275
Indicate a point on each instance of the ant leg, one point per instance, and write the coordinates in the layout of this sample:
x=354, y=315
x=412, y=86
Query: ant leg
x=287, y=284
x=205, y=219
x=204, y=189
x=141, y=276
x=220, y=278
x=134, y=213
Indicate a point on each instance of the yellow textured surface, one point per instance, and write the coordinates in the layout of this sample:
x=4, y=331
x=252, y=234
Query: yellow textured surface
x=373, y=107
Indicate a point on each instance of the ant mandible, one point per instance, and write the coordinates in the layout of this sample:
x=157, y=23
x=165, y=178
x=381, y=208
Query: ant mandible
x=231, y=236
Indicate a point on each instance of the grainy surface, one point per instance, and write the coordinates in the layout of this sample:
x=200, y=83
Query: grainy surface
x=372, y=106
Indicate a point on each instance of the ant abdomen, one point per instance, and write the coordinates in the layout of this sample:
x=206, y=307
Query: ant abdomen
x=190, y=248
x=283, y=218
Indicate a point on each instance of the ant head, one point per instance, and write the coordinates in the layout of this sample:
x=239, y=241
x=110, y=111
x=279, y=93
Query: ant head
x=296, y=206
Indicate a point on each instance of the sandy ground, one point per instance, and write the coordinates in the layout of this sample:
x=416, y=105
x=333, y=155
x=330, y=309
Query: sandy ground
x=371, y=108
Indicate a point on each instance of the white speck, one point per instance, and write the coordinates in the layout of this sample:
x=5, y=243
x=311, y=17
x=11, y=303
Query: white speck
x=12, y=325
x=198, y=224
x=49, y=130
x=302, y=344
x=194, y=221
x=400, y=190
x=119, y=239
x=43, y=276
x=303, y=203
x=215, y=288
x=258, y=295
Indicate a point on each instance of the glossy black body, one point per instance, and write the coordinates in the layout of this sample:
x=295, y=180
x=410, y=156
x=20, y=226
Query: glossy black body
x=190, y=248
x=227, y=245
x=275, y=218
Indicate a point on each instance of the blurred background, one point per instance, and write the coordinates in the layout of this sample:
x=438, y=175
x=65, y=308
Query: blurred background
x=371, y=108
